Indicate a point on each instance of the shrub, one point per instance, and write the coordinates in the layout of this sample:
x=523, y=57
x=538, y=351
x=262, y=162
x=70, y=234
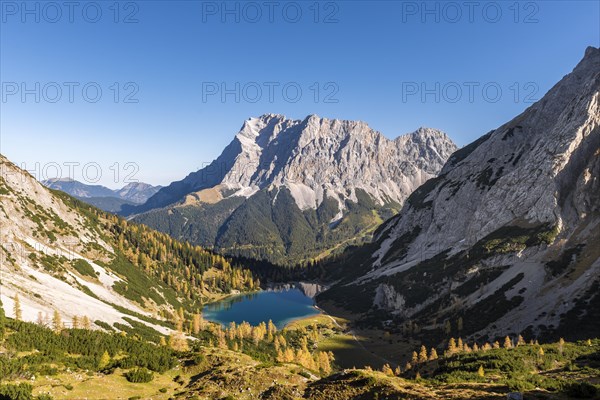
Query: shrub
x=84, y=268
x=21, y=391
x=519, y=385
x=304, y=374
x=199, y=359
x=139, y=375
x=47, y=370
x=581, y=390
x=90, y=345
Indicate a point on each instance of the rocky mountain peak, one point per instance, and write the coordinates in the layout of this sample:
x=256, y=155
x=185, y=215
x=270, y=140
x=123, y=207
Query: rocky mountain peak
x=281, y=183
x=308, y=158
x=319, y=155
x=261, y=131
x=136, y=186
x=424, y=133
x=61, y=180
x=517, y=163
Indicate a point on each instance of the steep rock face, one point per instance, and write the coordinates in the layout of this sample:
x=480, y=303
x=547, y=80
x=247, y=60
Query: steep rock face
x=508, y=228
x=524, y=170
x=288, y=190
x=316, y=156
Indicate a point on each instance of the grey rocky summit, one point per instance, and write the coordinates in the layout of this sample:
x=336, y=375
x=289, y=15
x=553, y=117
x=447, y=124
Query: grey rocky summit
x=315, y=165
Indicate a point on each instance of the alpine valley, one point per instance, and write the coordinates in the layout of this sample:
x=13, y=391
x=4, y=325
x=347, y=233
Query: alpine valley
x=430, y=272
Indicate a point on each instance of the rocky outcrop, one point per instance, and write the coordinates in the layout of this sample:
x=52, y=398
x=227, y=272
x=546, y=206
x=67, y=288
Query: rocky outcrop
x=387, y=298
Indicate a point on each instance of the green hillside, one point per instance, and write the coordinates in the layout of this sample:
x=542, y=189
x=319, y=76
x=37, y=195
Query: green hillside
x=244, y=362
x=270, y=226
x=186, y=275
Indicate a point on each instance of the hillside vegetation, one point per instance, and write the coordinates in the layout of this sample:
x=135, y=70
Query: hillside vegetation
x=191, y=271
x=64, y=259
x=244, y=362
x=269, y=225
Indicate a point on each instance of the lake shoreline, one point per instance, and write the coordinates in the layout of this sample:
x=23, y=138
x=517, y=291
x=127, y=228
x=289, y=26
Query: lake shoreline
x=301, y=285
x=281, y=304
x=300, y=319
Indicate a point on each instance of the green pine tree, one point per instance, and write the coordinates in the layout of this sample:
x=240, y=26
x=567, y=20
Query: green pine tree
x=2, y=321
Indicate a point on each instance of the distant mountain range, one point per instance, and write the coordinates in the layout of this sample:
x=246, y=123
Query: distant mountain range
x=294, y=190
x=103, y=197
x=504, y=240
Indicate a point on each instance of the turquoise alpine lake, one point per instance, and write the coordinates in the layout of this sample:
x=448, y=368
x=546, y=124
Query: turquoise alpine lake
x=280, y=306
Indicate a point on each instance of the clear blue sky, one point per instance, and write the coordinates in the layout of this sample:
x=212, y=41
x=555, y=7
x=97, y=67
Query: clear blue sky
x=372, y=53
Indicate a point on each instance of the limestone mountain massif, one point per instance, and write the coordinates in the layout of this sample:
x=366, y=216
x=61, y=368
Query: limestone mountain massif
x=506, y=237
x=292, y=190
